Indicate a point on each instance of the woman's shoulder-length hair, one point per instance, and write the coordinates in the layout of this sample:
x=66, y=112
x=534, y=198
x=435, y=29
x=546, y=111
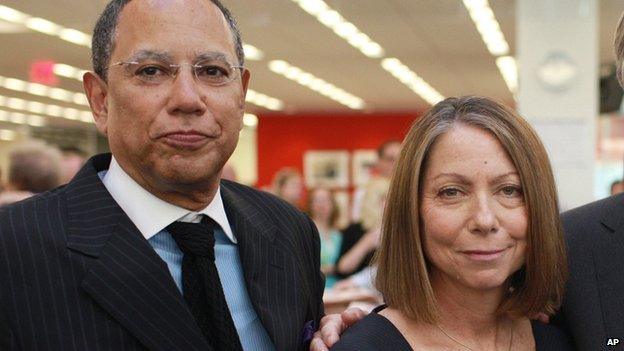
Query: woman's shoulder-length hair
x=402, y=275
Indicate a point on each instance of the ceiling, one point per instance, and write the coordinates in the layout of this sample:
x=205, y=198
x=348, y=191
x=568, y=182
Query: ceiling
x=435, y=38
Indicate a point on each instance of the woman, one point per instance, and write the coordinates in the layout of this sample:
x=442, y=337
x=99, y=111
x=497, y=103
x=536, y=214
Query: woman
x=324, y=212
x=472, y=246
x=360, y=240
x=288, y=185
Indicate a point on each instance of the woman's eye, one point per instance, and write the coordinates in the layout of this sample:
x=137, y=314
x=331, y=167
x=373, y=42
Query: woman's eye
x=449, y=192
x=511, y=191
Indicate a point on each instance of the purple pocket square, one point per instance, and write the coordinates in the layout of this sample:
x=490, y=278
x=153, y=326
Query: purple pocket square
x=308, y=331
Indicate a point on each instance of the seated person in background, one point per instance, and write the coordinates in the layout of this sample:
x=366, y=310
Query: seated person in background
x=360, y=240
x=34, y=167
x=472, y=242
x=323, y=210
x=288, y=185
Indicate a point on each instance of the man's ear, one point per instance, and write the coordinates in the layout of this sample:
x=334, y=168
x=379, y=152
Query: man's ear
x=97, y=94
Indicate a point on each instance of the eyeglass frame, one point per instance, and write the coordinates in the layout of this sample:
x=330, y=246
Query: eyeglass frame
x=175, y=68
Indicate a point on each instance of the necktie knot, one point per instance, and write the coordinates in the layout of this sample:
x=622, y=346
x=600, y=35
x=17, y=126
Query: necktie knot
x=195, y=239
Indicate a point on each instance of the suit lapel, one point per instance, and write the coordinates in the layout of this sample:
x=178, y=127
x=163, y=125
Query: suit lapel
x=609, y=260
x=127, y=278
x=271, y=271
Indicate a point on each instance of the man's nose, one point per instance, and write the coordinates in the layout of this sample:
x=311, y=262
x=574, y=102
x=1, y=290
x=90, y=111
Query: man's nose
x=186, y=95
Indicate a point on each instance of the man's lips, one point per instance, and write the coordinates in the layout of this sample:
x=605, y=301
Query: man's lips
x=185, y=139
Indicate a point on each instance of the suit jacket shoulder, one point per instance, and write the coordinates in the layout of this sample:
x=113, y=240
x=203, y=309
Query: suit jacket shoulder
x=592, y=309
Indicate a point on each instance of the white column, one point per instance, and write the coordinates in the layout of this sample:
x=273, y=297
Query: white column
x=557, y=53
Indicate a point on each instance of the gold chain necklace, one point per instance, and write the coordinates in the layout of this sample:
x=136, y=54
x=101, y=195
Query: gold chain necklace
x=469, y=348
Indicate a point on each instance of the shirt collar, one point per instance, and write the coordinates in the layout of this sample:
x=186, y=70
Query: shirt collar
x=151, y=214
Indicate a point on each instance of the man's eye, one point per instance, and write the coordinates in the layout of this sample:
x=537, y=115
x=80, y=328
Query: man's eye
x=212, y=71
x=150, y=71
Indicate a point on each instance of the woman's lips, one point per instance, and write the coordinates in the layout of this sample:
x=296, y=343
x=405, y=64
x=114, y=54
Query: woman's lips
x=484, y=255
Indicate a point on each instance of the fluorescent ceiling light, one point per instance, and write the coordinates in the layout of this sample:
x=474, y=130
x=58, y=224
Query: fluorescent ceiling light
x=44, y=26
x=406, y=76
x=491, y=34
x=487, y=25
x=250, y=120
x=10, y=15
x=7, y=135
x=316, y=84
x=68, y=71
x=75, y=36
x=509, y=70
x=263, y=100
x=42, y=90
x=252, y=53
x=37, y=110
x=343, y=28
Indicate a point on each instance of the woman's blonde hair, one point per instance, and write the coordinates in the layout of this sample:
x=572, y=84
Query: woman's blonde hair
x=402, y=275
x=372, y=203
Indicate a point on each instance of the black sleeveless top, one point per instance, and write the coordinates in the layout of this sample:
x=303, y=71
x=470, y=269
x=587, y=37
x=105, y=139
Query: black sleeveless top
x=376, y=332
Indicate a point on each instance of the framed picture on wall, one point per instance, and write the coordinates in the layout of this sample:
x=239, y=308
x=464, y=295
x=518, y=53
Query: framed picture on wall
x=326, y=169
x=362, y=164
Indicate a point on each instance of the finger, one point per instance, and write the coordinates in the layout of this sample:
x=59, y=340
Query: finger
x=352, y=315
x=330, y=333
x=543, y=317
x=317, y=343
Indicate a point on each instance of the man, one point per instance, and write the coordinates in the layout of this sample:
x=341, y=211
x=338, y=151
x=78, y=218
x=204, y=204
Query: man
x=110, y=261
x=34, y=167
x=387, y=155
x=593, y=307
x=72, y=161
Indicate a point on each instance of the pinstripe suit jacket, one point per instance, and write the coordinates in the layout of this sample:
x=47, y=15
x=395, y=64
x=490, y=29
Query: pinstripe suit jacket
x=76, y=274
x=593, y=306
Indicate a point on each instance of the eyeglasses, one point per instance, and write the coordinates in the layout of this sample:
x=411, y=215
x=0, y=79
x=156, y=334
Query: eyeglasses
x=209, y=72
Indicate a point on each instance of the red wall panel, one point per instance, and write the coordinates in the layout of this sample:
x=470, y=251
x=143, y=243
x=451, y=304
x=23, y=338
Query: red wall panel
x=283, y=140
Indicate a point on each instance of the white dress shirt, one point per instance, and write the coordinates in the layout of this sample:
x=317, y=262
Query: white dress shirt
x=151, y=214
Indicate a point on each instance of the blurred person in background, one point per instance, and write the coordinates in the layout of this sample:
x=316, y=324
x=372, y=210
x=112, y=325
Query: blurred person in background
x=387, y=154
x=617, y=187
x=72, y=161
x=34, y=167
x=324, y=212
x=288, y=185
x=472, y=243
x=361, y=239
